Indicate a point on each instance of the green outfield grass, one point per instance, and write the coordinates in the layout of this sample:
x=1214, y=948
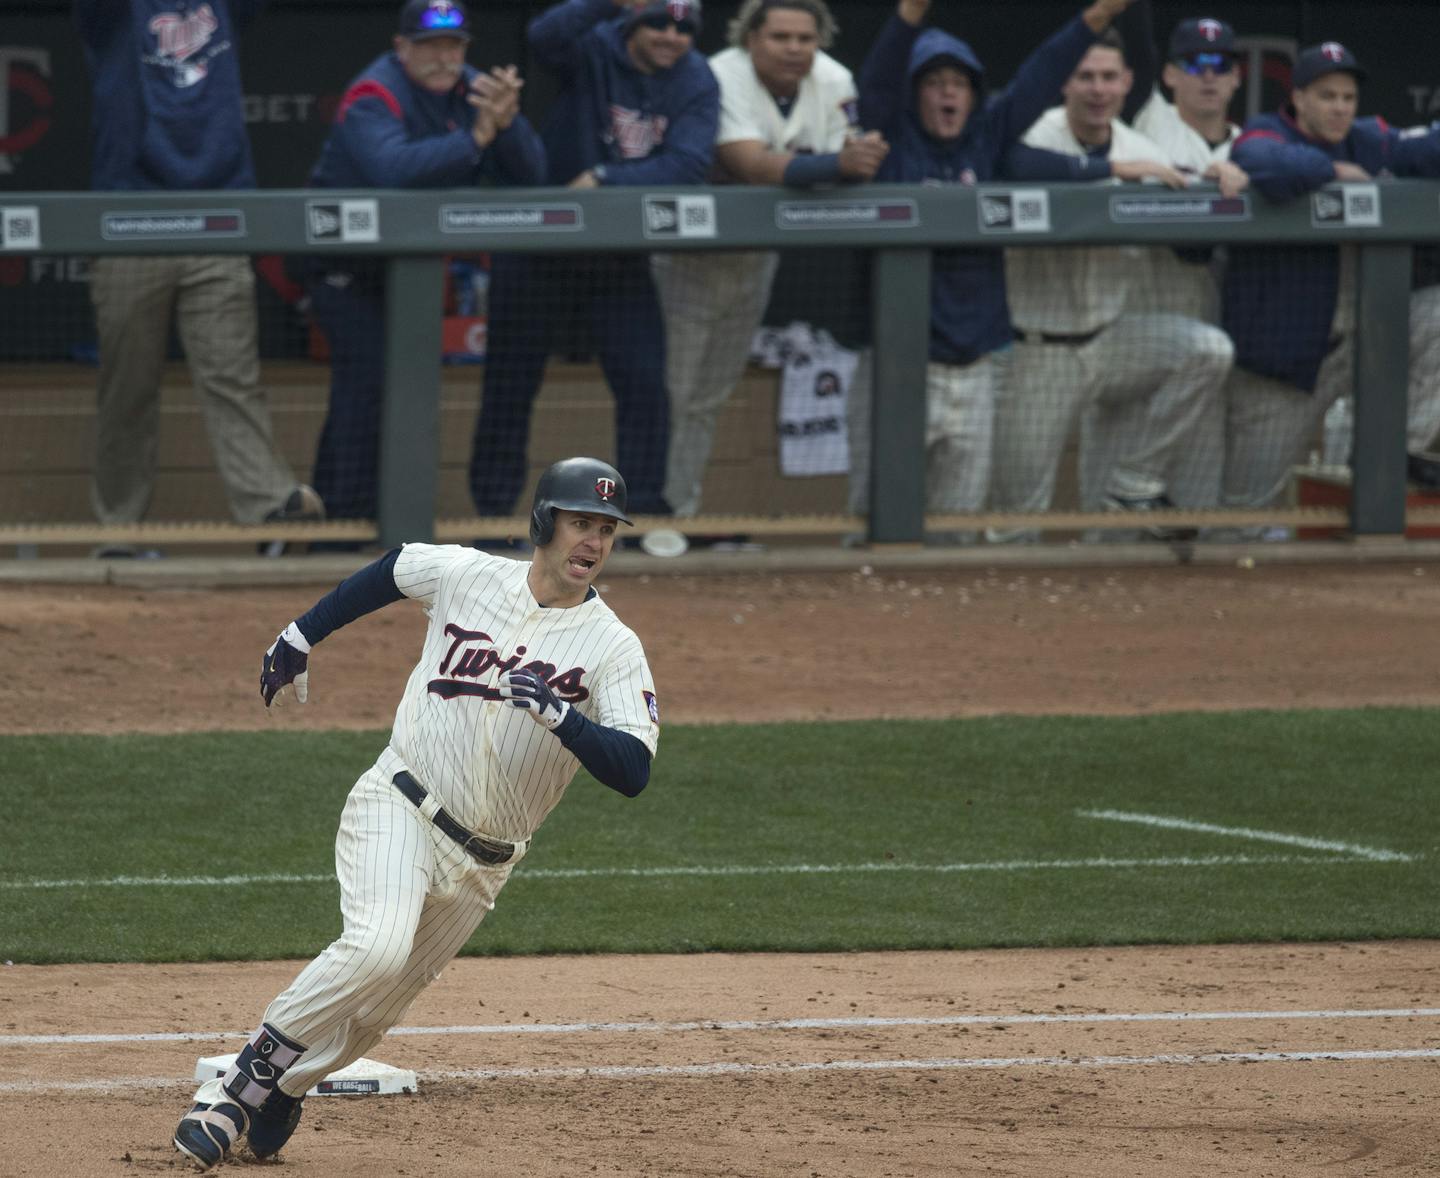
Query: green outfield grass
x=921, y=834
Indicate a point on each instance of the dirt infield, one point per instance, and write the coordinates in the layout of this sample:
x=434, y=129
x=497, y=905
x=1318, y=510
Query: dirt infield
x=1140, y=1061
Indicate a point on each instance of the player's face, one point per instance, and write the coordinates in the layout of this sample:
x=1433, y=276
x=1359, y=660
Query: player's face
x=944, y=98
x=434, y=64
x=574, y=557
x=783, y=49
x=1200, y=90
x=1095, y=93
x=657, y=43
x=1325, y=109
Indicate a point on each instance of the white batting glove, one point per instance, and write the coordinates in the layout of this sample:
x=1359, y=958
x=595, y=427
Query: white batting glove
x=524, y=688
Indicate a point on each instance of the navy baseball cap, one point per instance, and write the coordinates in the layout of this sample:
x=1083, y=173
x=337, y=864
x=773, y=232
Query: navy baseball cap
x=684, y=13
x=1319, y=60
x=1201, y=35
x=423, y=19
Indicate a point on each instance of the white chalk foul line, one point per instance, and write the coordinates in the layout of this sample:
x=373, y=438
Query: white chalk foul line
x=542, y=873
x=1373, y=854
x=833, y=1065
x=803, y=1024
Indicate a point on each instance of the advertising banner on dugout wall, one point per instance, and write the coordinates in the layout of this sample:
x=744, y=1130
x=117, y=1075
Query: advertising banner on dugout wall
x=297, y=58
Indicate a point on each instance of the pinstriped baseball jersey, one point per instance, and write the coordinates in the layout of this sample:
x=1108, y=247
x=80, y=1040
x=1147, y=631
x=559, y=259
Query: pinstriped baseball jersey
x=491, y=766
x=1184, y=147
x=823, y=114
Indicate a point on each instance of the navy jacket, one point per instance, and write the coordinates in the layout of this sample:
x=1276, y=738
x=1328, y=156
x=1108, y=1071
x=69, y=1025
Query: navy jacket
x=969, y=316
x=168, y=110
x=646, y=129
x=391, y=133
x=1279, y=301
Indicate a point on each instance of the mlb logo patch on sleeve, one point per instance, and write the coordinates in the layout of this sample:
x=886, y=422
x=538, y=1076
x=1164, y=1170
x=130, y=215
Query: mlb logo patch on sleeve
x=652, y=706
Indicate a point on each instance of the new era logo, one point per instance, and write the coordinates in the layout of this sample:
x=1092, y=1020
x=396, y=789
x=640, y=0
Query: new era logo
x=324, y=222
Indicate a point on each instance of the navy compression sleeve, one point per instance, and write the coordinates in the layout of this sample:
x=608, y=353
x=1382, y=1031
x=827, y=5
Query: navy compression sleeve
x=612, y=757
x=361, y=593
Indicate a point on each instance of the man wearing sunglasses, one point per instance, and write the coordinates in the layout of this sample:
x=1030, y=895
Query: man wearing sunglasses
x=1202, y=75
x=416, y=117
x=1291, y=309
x=1195, y=134
x=638, y=106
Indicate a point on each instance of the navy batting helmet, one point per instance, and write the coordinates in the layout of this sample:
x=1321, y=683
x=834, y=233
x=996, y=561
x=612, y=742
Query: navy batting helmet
x=575, y=484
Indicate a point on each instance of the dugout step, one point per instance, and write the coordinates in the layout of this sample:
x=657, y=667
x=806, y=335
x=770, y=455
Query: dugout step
x=364, y=1077
x=1329, y=486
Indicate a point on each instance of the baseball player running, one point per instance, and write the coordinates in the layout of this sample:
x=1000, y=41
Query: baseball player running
x=525, y=675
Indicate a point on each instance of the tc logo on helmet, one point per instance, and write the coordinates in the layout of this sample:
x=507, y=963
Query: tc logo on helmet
x=1333, y=51
x=1209, y=29
x=605, y=488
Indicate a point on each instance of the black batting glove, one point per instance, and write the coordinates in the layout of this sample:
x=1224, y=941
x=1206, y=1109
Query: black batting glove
x=286, y=668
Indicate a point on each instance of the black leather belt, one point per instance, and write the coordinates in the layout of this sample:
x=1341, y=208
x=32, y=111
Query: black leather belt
x=1056, y=337
x=491, y=852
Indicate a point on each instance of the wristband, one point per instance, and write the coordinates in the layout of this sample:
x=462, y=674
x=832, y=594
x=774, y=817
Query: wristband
x=805, y=170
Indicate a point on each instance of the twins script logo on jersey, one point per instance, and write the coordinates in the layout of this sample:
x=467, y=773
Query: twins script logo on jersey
x=636, y=134
x=179, y=38
x=472, y=656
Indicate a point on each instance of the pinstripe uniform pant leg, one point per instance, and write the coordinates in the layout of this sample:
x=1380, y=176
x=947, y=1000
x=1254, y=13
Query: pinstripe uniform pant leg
x=1269, y=424
x=410, y=898
x=712, y=303
x=959, y=431
x=1423, y=418
x=1174, y=366
x=1034, y=414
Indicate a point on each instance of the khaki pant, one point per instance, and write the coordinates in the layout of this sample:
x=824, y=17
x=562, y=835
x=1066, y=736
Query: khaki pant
x=213, y=300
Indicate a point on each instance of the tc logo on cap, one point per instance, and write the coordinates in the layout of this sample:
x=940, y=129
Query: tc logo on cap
x=1209, y=29
x=605, y=488
x=679, y=10
x=1333, y=51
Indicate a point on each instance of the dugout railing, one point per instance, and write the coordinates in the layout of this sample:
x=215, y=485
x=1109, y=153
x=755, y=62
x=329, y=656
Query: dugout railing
x=898, y=225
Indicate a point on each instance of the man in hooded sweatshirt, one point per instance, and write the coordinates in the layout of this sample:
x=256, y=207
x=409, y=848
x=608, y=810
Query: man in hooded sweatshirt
x=638, y=107
x=924, y=90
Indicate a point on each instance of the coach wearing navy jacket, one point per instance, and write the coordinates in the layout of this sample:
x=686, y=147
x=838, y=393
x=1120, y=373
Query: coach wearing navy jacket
x=167, y=117
x=638, y=107
x=1290, y=309
x=415, y=117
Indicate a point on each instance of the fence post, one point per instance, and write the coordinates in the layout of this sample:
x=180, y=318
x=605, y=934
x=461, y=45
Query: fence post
x=1382, y=378
x=410, y=417
x=900, y=318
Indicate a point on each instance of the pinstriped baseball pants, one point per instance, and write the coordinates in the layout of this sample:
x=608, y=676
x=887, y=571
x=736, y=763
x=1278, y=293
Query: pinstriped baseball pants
x=410, y=898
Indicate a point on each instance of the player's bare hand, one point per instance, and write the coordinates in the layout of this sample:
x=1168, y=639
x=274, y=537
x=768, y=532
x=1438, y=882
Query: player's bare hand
x=1147, y=170
x=527, y=689
x=496, y=99
x=913, y=12
x=584, y=180
x=285, y=670
x=862, y=156
x=1099, y=15
x=1231, y=178
x=1346, y=171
